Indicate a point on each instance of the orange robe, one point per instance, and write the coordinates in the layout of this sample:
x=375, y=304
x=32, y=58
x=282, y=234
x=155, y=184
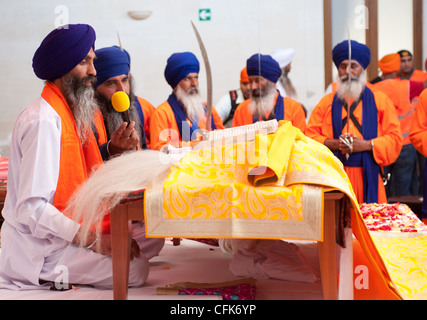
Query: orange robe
x=399, y=92
x=293, y=113
x=418, y=76
x=164, y=129
x=418, y=134
x=387, y=145
x=418, y=137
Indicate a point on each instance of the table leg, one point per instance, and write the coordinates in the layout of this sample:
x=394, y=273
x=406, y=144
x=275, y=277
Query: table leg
x=120, y=245
x=327, y=251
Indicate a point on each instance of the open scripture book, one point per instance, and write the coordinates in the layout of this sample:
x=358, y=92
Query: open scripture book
x=227, y=136
x=248, y=131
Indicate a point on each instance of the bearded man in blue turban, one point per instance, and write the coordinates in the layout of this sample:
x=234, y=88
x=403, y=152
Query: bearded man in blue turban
x=181, y=120
x=358, y=124
x=53, y=151
x=113, y=72
x=265, y=102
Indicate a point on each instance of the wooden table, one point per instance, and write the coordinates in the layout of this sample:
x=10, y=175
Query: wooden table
x=133, y=211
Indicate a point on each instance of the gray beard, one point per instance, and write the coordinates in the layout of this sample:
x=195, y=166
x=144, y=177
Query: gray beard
x=193, y=103
x=263, y=104
x=82, y=103
x=114, y=119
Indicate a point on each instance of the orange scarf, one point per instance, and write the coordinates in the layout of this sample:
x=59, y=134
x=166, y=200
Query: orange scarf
x=76, y=161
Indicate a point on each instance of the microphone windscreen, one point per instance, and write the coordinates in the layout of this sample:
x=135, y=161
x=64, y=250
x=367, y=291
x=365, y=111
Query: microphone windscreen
x=120, y=101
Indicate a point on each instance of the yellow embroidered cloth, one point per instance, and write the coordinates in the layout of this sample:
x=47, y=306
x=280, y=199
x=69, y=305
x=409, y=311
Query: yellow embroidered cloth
x=406, y=261
x=271, y=187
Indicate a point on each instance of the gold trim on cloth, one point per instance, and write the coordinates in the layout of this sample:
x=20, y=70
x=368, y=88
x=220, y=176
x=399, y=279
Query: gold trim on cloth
x=271, y=188
x=310, y=228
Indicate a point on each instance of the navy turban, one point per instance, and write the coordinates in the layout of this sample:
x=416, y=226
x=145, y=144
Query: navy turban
x=265, y=66
x=179, y=65
x=359, y=52
x=111, y=62
x=62, y=50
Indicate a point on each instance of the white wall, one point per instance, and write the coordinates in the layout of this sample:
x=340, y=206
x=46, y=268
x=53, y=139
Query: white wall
x=348, y=20
x=238, y=29
x=395, y=26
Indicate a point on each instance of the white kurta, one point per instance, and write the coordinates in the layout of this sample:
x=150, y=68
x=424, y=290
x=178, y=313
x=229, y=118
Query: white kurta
x=35, y=235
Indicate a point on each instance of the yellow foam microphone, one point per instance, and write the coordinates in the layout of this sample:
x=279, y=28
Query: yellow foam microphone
x=121, y=102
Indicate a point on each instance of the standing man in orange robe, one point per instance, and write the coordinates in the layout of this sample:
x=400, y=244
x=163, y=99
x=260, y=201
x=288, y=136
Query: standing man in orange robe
x=418, y=138
x=266, y=103
x=404, y=94
x=181, y=119
x=407, y=69
x=372, y=124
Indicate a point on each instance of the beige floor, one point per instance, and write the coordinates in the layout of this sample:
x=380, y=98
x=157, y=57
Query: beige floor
x=191, y=261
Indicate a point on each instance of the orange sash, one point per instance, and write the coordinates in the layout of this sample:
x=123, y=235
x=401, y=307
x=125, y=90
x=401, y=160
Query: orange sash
x=76, y=161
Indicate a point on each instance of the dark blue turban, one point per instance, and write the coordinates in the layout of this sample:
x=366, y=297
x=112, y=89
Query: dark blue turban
x=111, y=62
x=265, y=66
x=179, y=65
x=359, y=52
x=62, y=50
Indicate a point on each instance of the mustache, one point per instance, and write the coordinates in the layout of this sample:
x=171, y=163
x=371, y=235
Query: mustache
x=89, y=79
x=192, y=90
x=256, y=93
x=81, y=84
x=349, y=77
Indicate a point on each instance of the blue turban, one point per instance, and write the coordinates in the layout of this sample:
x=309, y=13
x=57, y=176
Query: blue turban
x=179, y=65
x=265, y=66
x=359, y=52
x=62, y=50
x=111, y=62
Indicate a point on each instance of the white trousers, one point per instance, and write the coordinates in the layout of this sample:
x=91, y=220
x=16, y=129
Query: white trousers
x=76, y=265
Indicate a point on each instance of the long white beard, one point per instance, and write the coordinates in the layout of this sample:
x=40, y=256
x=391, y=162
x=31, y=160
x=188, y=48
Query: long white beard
x=262, y=105
x=193, y=103
x=112, y=182
x=82, y=103
x=351, y=89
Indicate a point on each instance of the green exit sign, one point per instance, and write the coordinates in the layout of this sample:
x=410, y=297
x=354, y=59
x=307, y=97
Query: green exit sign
x=205, y=14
